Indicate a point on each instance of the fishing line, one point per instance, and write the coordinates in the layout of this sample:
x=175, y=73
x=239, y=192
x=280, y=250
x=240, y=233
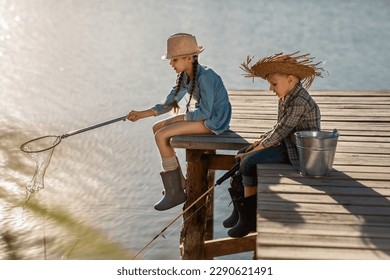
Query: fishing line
x=172, y=231
x=218, y=198
x=218, y=182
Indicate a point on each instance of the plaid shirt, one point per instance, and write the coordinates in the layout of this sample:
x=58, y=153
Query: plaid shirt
x=298, y=111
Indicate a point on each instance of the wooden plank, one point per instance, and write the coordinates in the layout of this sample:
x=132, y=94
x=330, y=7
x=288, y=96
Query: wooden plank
x=272, y=105
x=308, y=253
x=326, y=117
x=321, y=218
x=334, y=190
x=228, y=246
x=323, y=208
x=340, y=168
x=362, y=172
x=335, y=175
x=325, y=229
x=325, y=199
x=373, y=112
x=331, y=94
x=230, y=141
x=340, y=125
x=221, y=162
x=303, y=240
x=207, y=143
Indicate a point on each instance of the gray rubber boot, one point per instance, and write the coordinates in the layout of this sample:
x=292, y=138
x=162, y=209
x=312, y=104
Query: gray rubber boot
x=173, y=190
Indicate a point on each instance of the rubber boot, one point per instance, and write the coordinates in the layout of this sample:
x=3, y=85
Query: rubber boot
x=183, y=179
x=236, y=191
x=247, y=217
x=173, y=190
x=235, y=194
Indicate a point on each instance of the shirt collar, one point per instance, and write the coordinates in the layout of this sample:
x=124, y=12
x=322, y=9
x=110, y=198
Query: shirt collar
x=186, y=80
x=293, y=93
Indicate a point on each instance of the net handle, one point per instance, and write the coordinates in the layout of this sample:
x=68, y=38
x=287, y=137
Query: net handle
x=74, y=132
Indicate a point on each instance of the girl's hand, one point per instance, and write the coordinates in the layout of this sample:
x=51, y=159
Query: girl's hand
x=134, y=116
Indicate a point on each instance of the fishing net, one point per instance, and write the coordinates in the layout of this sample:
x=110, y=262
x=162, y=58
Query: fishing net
x=41, y=150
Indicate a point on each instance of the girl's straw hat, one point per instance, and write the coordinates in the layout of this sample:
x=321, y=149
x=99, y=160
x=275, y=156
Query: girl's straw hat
x=301, y=66
x=182, y=45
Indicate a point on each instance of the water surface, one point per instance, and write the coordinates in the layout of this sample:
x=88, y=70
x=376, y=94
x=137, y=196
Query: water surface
x=68, y=64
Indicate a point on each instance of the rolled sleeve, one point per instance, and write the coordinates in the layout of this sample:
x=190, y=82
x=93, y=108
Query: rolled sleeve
x=166, y=105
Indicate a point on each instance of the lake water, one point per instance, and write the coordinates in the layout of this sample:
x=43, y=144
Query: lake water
x=68, y=64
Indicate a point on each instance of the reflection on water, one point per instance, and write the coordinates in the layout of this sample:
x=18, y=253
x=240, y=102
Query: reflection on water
x=68, y=64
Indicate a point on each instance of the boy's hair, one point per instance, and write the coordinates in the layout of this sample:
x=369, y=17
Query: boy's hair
x=286, y=75
x=301, y=66
x=179, y=80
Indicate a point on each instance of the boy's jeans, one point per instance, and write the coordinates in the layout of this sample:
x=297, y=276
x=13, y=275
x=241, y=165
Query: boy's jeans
x=275, y=154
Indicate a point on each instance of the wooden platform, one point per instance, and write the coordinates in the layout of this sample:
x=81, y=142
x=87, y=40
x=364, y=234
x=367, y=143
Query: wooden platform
x=344, y=216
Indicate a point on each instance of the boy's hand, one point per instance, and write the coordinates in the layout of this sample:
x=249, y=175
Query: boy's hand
x=256, y=146
x=256, y=143
x=240, y=156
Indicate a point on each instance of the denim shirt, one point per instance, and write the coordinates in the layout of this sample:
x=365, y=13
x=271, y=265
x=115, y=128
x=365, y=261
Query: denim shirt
x=212, y=101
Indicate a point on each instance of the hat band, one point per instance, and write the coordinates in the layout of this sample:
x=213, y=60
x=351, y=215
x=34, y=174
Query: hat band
x=173, y=56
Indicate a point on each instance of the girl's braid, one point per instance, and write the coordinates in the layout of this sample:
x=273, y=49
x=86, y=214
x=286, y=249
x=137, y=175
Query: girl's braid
x=179, y=80
x=194, y=68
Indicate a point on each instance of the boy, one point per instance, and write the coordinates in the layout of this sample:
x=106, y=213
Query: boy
x=289, y=78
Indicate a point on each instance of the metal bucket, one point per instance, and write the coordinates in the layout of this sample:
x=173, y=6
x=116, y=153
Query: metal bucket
x=316, y=151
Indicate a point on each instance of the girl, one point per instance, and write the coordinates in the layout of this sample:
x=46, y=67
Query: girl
x=211, y=114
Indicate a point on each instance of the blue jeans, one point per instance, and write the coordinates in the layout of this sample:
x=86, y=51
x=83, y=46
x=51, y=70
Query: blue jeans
x=275, y=154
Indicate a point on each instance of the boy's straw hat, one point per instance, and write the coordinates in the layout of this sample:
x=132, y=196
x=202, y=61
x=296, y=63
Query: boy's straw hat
x=182, y=45
x=301, y=66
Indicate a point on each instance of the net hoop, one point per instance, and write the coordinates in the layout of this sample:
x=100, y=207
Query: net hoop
x=26, y=147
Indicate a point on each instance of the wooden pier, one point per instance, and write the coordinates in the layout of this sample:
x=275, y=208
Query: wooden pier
x=343, y=216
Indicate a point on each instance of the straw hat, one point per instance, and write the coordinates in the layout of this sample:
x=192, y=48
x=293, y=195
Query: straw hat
x=301, y=66
x=182, y=45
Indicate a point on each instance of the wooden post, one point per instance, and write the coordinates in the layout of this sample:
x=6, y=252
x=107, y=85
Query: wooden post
x=194, y=229
x=209, y=235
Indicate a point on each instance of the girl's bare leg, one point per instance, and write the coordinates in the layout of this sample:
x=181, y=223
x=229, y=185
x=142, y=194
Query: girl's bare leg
x=165, y=122
x=164, y=134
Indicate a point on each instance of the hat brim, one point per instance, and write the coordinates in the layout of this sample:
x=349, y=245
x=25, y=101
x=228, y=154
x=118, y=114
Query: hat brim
x=301, y=66
x=301, y=71
x=166, y=57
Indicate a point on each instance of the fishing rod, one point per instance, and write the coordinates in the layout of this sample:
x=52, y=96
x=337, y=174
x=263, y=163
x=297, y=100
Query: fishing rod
x=227, y=175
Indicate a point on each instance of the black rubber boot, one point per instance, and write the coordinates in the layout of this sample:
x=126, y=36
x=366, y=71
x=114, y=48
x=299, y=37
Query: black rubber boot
x=247, y=217
x=173, y=190
x=236, y=191
x=235, y=194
